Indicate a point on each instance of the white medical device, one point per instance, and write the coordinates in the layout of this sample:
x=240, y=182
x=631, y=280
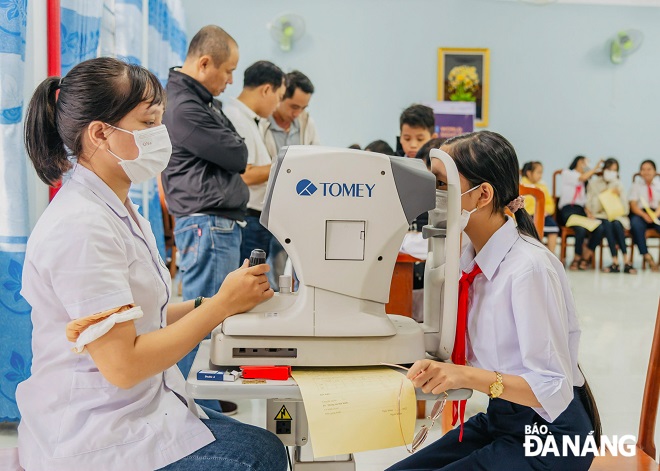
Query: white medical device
x=341, y=216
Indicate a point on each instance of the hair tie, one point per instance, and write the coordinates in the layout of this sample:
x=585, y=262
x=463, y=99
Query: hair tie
x=516, y=204
x=59, y=84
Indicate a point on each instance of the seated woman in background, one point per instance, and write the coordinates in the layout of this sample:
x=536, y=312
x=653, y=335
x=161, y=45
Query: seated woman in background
x=532, y=172
x=571, y=201
x=613, y=230
x=645, y=192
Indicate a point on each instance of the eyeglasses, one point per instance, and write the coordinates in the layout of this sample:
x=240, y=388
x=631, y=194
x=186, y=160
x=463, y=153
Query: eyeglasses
x=436, y=412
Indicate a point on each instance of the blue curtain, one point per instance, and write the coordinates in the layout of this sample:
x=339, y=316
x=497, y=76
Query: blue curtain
x=15, y=351
x=167, y=36
x=122, y=37
x=167, y=47
x=80, y=27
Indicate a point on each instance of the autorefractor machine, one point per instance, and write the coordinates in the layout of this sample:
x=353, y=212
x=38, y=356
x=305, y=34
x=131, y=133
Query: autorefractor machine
x=341, y=215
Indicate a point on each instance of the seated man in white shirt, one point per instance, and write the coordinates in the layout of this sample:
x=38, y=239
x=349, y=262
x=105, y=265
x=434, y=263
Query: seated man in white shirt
x=263, y=88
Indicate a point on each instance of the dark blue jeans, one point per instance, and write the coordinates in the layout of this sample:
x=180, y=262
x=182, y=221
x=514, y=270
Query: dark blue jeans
x=494, y=441
x=238, y=447
x=638, y=228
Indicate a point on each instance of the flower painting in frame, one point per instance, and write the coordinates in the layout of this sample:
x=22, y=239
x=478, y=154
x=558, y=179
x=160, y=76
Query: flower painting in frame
x=463, y=75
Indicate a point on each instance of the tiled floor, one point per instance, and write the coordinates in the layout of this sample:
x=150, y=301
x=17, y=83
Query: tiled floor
x=617, y=314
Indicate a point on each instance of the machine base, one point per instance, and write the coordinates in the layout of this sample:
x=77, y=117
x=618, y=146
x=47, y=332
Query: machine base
x=406, y=346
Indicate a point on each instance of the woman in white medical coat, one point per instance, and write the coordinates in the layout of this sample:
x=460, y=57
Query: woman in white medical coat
x=105, y=392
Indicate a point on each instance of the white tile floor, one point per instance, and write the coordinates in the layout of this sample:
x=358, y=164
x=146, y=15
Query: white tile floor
x=617, y=315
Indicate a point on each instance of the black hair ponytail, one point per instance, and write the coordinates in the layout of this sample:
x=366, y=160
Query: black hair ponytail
x=43, y=142
x=60, y=111
x=526, y=223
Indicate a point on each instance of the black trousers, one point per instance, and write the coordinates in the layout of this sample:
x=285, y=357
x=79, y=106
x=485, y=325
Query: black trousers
x=494, y=441
x=615, y=235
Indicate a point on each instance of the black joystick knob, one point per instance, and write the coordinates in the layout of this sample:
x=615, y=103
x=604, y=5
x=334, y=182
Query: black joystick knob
x=257, y=257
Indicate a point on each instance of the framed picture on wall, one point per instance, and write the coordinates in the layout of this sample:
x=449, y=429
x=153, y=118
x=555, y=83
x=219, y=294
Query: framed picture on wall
x=463, y=75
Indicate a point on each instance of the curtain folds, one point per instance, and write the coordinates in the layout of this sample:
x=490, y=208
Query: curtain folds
x=15, y=351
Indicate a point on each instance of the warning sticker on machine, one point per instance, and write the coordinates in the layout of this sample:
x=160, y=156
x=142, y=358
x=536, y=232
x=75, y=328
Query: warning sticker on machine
x=283, y=414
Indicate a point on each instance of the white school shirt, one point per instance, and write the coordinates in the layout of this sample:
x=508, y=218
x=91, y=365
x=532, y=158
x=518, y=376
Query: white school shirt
x=87, y=255
x=246, y=123
x=521, y=320
x=640, y=188
x=573, y=191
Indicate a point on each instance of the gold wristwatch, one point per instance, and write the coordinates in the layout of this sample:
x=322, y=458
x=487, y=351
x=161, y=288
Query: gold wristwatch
x=497, y=388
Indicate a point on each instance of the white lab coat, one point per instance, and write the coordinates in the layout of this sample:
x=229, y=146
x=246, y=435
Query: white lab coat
x=87, y=255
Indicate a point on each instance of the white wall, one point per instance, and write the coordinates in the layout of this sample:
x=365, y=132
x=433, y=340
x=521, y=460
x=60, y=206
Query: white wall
x=553, y=92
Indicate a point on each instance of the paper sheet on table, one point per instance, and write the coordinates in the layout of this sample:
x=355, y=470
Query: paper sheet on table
x=583, y=221
x=612, y=205
x=649, y=211
x=356, y=409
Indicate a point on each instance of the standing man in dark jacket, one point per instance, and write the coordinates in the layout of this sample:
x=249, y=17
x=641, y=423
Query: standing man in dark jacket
x=203, y=186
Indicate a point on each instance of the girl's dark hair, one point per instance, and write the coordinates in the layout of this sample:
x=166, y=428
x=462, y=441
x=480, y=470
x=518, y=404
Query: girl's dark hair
x=529, y=167
x=102, y=89
x=650, y=162
x=609, y=162
x=575, y=162
x=588, y=400
x=487, y=157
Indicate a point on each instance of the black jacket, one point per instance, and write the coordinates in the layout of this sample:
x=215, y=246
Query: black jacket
x=208, y=156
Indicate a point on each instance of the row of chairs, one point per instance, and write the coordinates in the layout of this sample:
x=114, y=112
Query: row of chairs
x=566, y=232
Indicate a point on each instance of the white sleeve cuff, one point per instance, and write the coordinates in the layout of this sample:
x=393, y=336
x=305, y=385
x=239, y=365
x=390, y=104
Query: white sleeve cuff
x=98, y=330
x=554, y=394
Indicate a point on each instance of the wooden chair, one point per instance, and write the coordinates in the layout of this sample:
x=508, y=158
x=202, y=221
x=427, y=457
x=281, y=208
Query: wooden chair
x=168, y=227
x=539, y=206
x=650, y=233
x=565, y=232
x=644, y=459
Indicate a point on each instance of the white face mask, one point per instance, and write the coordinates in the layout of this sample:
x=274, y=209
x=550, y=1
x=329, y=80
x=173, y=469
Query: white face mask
x=610, y=175
x=465, y=214
x=439, y=214
x=155, y=149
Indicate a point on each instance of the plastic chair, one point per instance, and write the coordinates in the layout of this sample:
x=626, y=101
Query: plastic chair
x=644, y=458
x=539, y=206
x=650, y=233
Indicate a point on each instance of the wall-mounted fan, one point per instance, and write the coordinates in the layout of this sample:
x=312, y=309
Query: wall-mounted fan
x=286, y=29
x=624, y=44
